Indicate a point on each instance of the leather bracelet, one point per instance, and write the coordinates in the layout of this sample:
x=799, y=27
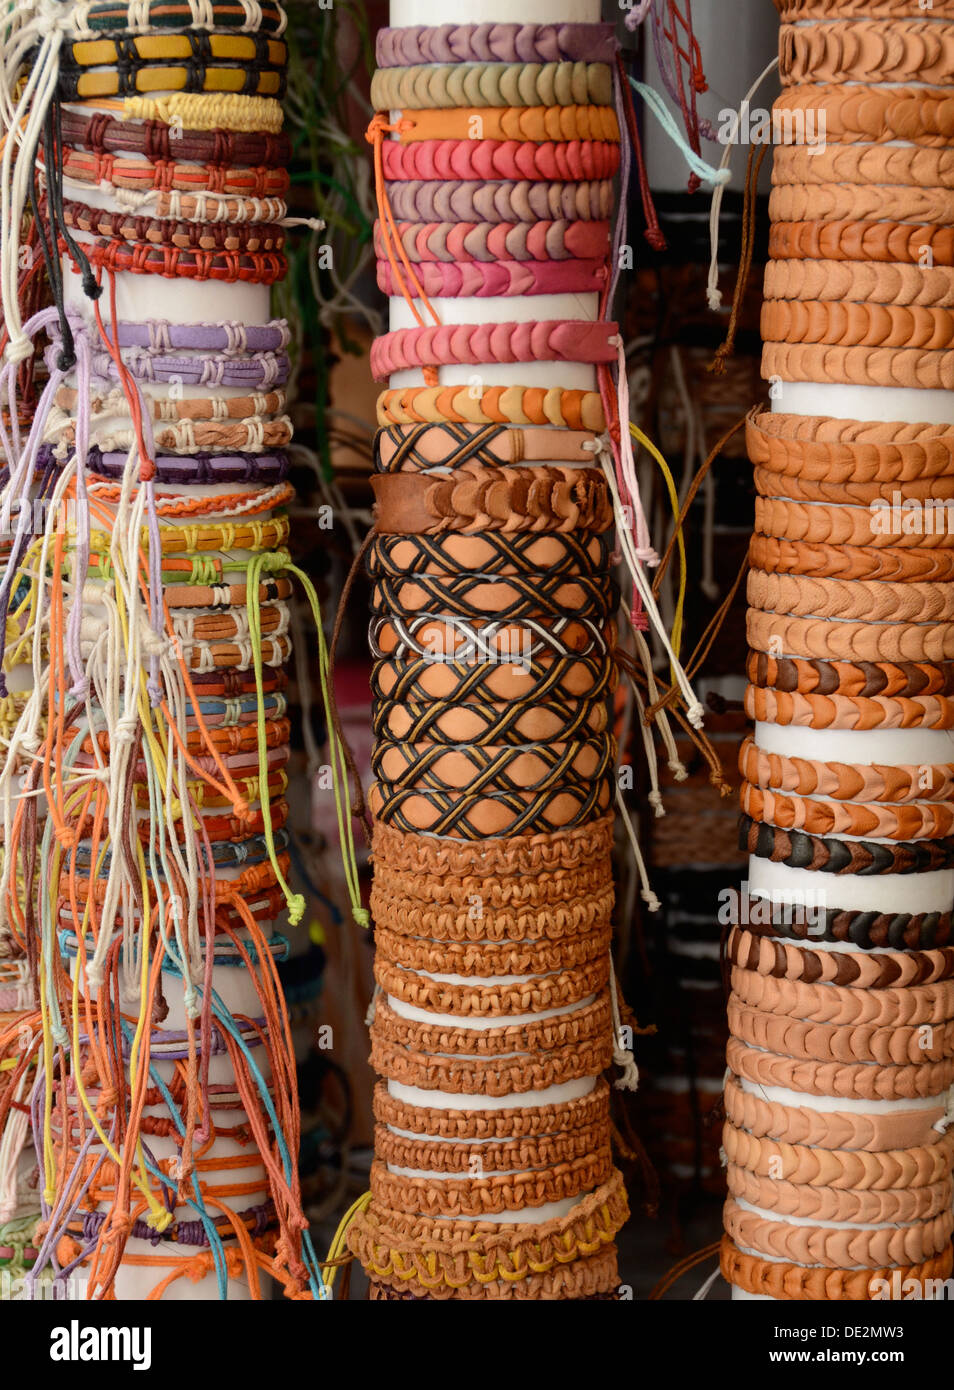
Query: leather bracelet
x=251, y=182
x=909, y=166
x=406, y=916
x=208, y=46
x=104, y=134
x=494, y=43
x=263, y=370
x=452, y=242
x=200, y=207
x=450, y=723
x=212, y=408
x=866, y=931
x=577, y=1027
x=843, y=1080
x=466, y=160
x=848, y=969
x=470, y=200
x=862, y=241
x=483, y=1197
x=223, y=595
x=876, y=1133
x=865, y=679
x=796, y=489
x=777, y=555
x=140, y=16
x=519, y=855
x=856, y=325
x=197, y=468
x=841, y=1169
x=422, y=447
x=591, y=1279
x=858, y=202
x=921, y=115
x=474, y=815
x=146, y=258
x=924, y=821
x=442, y=86
x=252, y=435
x=820, y=449
x=551, y=682
x=917, y=1204
x=553, y=991
x=793, y=1282
x=516, y=405
x=859, y=366
x=514, y=596
x=791, y=11
x=831, y=1004
x=505, y=499
x=186, y=236
x=473, y=906
x=457, y=640
x=868, y=51
x=540, y=124
x=561, y=554
x=468, y=768
x=850, y=641
x=88, y=84
x=175, y=540
x=798, y=595
x=839, y=525
x=895, y=783
x=870, y=1248
x=520, y=1155
x=536, y=1123
x=481, y=281
x=833, y=856
x=488, y=959
x=479, y=344
x=824, y=1042
x=497, y=1076
x=842, y=712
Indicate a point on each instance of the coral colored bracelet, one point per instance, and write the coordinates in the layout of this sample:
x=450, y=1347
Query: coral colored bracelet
x=872, y=1207
x=871, y=1248
x=858, y=202
x=822, y=448
x=479, y=344
x=540, y=124
x=870, y=51
x=830, y=1004
x=492, y=241
x=875, y=1132
x=841, y=1080
x=517, y=160
x=173, y=262
x=501, y=278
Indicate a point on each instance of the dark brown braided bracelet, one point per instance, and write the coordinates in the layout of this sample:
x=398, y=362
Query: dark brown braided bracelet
x=832, y=856
x=816, y=676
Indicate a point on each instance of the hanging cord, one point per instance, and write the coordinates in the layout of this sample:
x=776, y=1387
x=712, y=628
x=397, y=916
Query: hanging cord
x=703, y=172
x=624, y=101
x=749, y=213
x=684, y=1266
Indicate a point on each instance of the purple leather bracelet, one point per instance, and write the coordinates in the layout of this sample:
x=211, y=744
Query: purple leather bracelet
x=510, y=200
x=495, y=43
x=231, y=339
x=251, y=373
x=192, y=468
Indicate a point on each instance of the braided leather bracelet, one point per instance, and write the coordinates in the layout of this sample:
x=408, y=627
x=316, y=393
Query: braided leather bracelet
x=820, y=448
x=817, y=817
x=909, y=166
x=867, y=51
x=483, y=1197
x=856, y=325
x=494, y=1077
x=452, y=242
x=501, y=278
x=833, y=856
x=406, y=916
x=516, y=596
x=555, y=903
x=516, y=1155
x=846, y=781
x=866, y=931
x=857, y=202
x=469, y=200
x=780, y=556
x=552, y=991
x=474, y=499
x=562, y=556
x=864, y=679
x=799, y=1283
x=871, y=1248
x=849, y=598
x=546, y=340
x=842, y=712
x=424, y=446
x=451, y=723
x=825, y=1204
x=154, y=140
x=793, y=10
x=173, y=262
x=842, y=1169
x=494, y=43
x=251, y=182
x=879, y=1133
x=921, y=115
x=519, y=855
x=517, y=405
x=840, y=525
x=862, y=241
x=196, y=236
x=486, y=960
x=852, y=641
x=441, y=86
x=515, y=160
x=826, y=1003
x=252, y=436
x=842, y=1080
x=468, y=769
x=796, y=489
x=579, y=1026
x=218, y=408
x=540, y=682
x=540, y=124
x=771, y=957
x=824, y=1042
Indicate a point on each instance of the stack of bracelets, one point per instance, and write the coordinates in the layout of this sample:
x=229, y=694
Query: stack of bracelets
x=493, y=634
x=841, y=1059
x=145, y=869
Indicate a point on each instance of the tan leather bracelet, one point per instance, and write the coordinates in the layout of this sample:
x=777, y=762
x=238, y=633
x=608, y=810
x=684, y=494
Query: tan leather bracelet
x=412, y=448
x=890, y=782
x=499, y=1126
x=515, y=1155
x=897, y=50
x=896, y=1046
x=862, y=241
x=843, y=1080
x=859, y=202
x=906, y=1205
x=850, y=324
x=859, y=366
x=873, y=114
x=777, y=555
x=822, y=448
x=560, y=989
x=848, y=712
x=488, y=1196
x=832, y=1129
x=546, y=681
x=483, y=899
x=520, y=856
x=851, y=969
x=850, y=641
x=588, y=1277
x=506, y=499
x=493, y=1076
x=790, y=11
x=799, y=1283
x=932, y=493
x=870, y=1248
x=827, y=1003
x=515, y=405
x=907, y=166
x=883, y=601
x=839, y=525
x=926, y=821
x=479, y=922
x=922, y=1166
x=480, y=958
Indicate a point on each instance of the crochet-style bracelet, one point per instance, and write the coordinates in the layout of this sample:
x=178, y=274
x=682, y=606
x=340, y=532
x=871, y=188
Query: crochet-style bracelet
x=198, y=236
x=826, y=1130
x=550, y=892
x=474, y=816
x=796, y=594
x=263, y=370
x=469, y=596
x=480, y=344
x=772, y=957
x=856, y=325
x=515, y=405
x=801, y=1283
x=500, y=278
x=842, y=712
x=841, y=1080
x=593, y=1278
x=471, y=200
x=862, y=241
x=154, y=140
x=494, y=43
x=819, y=448
x=858, y=112
x=140, y=16
x=840, y=525
x=519, y=856
x=843, y=1169
x=182, y=408
x=515, y=1155
x=857, y=202
x=870, y=1248
x=818, y=817
x=867, y=51
x=559, y=555
x=530, y=1123
x=174, y=262
x=483, y=959
x=134, y=77
x=502, y=499
x=497, y=1076
x=487, y=1196
x=879, y=1207
x=538, y=1036
x=882, y=1008
x=452, y=242
x=540, y=124
x=778, y=556
x=847, y=781
x=887, y=165
x=555, y=922
x=445, y=445
x=832, y=856
x=791, y=11
x=199, y=468
x=522, y=160
x=448, y=722
x=826, y=1042
x=902, y=494
x=851, y=641
x=252, y=182
x=441, y=86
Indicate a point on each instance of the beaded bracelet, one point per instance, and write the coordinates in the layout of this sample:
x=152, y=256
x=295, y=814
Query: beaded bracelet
x=515, y=160
x=494, y=43
x=825, y=1042
x=776, y=555
x=447, y=722
x=486, y=1196
x=915, y=1005
x=894, y=783
x=160, y=142
x=921, y=116
x=797, y=202
x=795, y=1282
x=452, y=242
x=517, y=405
x=188, y=236
x=841, y=712
x=504, y=499
x=827, y=1130
x=842, y=1080
x=106, y=169
x=852, y=641
x=798, y=595
x=501, y=278
x=431, y=446
x=470, y=200
x=862, y=241
x=771, y=957
x=842, y=1169
x=908, y=167
x=867, y=51
x=175, y=262
x=818, y=817
x=833, y=856
x=885, y=1206
x=139, y=16
x=870, y=1248
x=539, y=124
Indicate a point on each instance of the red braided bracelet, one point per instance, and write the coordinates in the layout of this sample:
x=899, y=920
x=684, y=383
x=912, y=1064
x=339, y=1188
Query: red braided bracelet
x=480, y=344
x=557, y=162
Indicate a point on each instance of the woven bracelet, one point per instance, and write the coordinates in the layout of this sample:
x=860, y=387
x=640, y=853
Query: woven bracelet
x=580, y=1025
x=471, y=200
x=482, y=960
x=520, y=855
x=556, y=554
x=539, y=124
x=423, y=447
x=477, y=344
x=459, y=640
x=542, y=682
x=521, y=160
x=842, y=1169
x=518, y=596
x=819, y=447
x=184, y=408
x=856, y=325
x=896, y=50
x=406, y=916
x=833, y=856
x=253, y=182
x=516, y=405
x=841, y=712
x=774, y=555
x=931, y=493
x=447, y=722
x=921, y=116
x=137, y=16
x=888, y=1046
x=851, y=641
x=253, y=436
x=493, y=1077
x=476, y=1197
x=209, y=237
x=517, y=1155
x=133, y=78
x=467, y=769
x=846, y=781
x=263, y=370
x=796, y=1282
x=569, y=895
x=852, y=526
x=174, y=262
x=882, y=601
x=847, y=202
x=494, y=43
x=160, y=142
x=876, y=971
x=870, y=165
x=826, y=1130
x=829, y=1004
x=482, y=281
x=452, y=242
x=862, y=241
x=199, y=468
x=476, y=816
x=841, y=1080
x=444, y=86
x=870, y=1248
x=885, y=1206
x=818, y=817
x=500, y=499
x=791, y=11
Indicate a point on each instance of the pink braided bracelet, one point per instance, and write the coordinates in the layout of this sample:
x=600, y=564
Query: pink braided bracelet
x=479, y=344
x=564, y=161
x=501, y=200
x=499, y=241
x=485, y=280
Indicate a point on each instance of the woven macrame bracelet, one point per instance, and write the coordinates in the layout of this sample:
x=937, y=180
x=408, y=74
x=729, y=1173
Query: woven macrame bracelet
x=888, y=1206
x=252, y=436
x=593, y=1278
x=174, y=262
x=185, y=408
x=867, y=51
x=862, y=241
x=472, y=201
x=265, y=369
x=498, y=1076
x=578, y=1026
x=494, y=43
x=516, y=405
x=842, y=1169
x=441, y=86
x=480, y=281
x=521, y=856
x=447, y=722
x=486, y=1196
x=819, y=817
x=535, y=1122
x=489, y=242
x=136, y=77
x=850, y=598
x=540, y=124
x=852, y=526
x=857, y=202
x=199, y=468
x=486, y=960
x=829, y=1004
x=853, y=113
x=141, y=16
x=158, y=141
x=511, y=643
x=449, y=163
x=550, y=905
x=140, y=174
x=800, y=1283
x=500, y=499
x=842, y=1080
x=821, y=561
x=525, y=553
x=208, y=237
x=516, y=1155
x=870, y=1248
x=771, y=957
x=826, y=1130
x=897, y=1045
x=846, y=781
x=481, y=921
x=833, y=856
x=204, y=111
